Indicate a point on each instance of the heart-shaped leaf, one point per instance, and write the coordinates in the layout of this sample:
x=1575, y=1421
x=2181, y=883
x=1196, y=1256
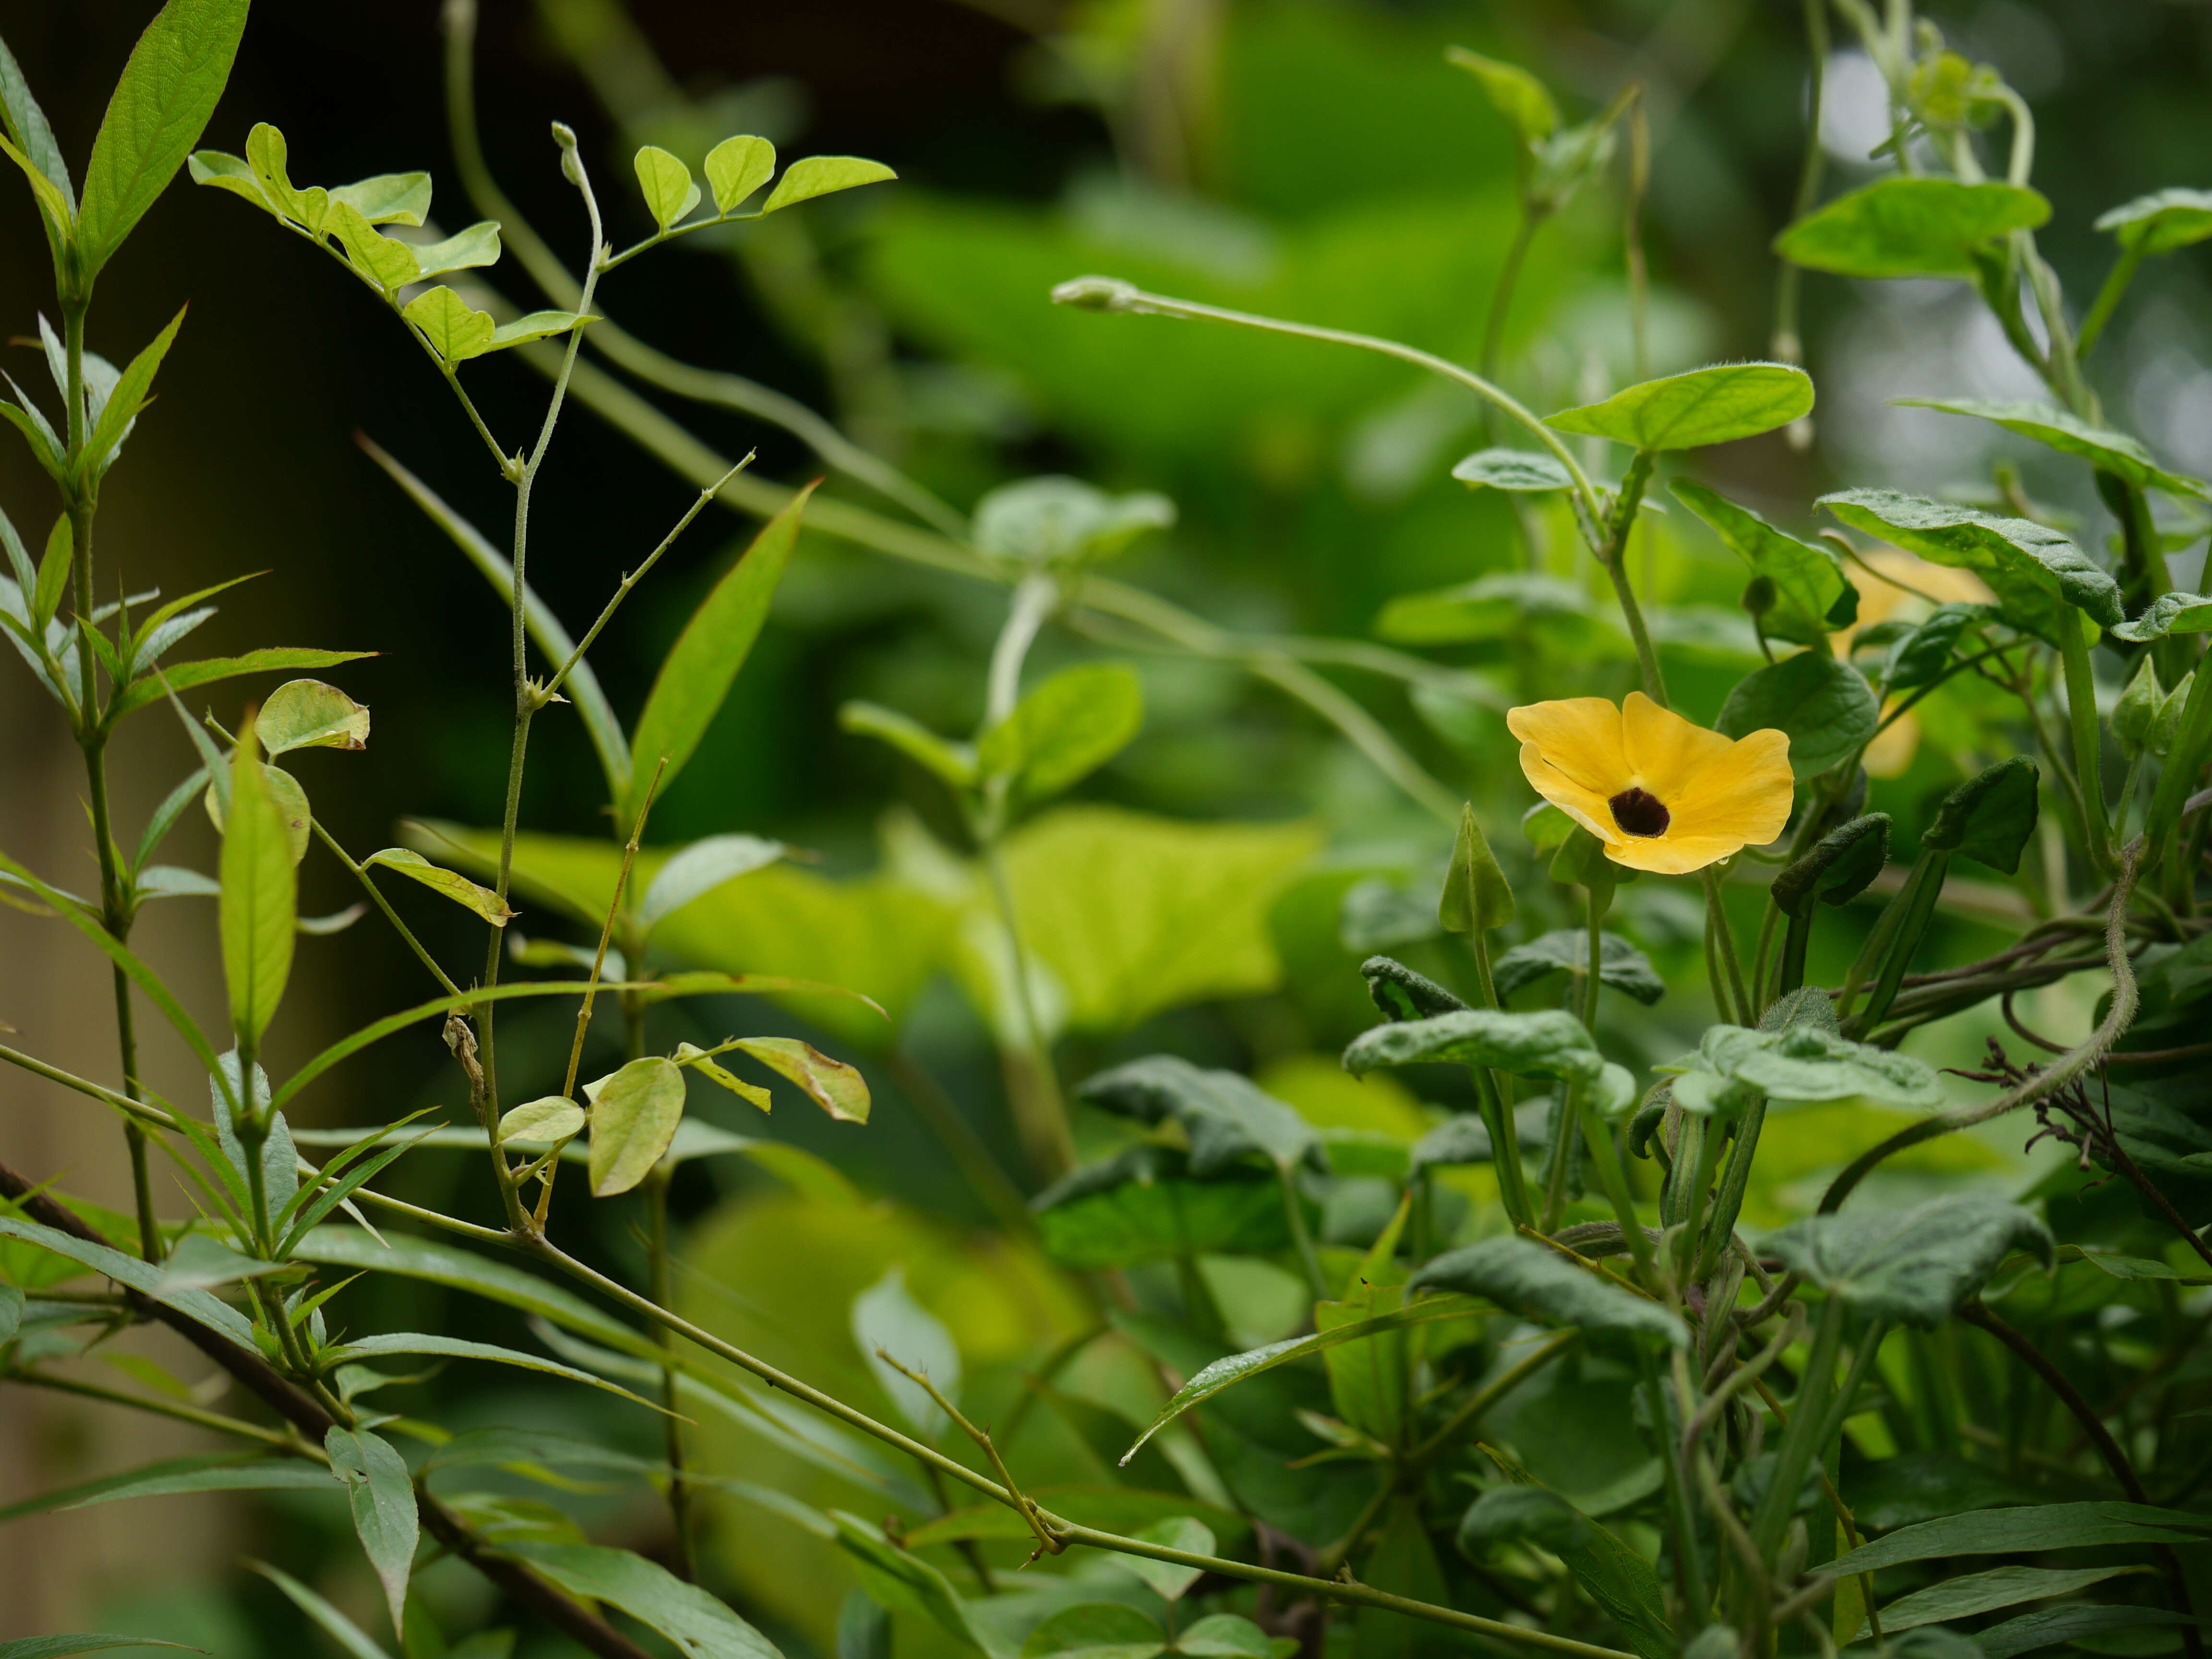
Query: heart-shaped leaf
x=1909, y=227
x=1912, y=1268
x=1826, y=707
x=1524, y=1278
x=1715, y=405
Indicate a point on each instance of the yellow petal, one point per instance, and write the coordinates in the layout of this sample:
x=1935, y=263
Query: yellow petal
x=1580, y=742
x=1665, y=753
x=1671, y=854
x=1585, y=806
x=1743, y=793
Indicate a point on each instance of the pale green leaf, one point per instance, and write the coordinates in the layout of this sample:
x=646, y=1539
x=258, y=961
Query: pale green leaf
x=1516, y=94
x=737, y=167
x=698, y=869
x=291, y=802
x=633, y=1115
x=386, y=261
x=1909, y=227
x=456, y=329
x=694, y=1058
x=700, y=1626
x=2070, y=435
x=268, y=156
x=698, y=671
x=1054, y=520
x=464, y=249
x=1804, y=1062
x=820, y=175
x=1064, y=730
x=1549, y=1042
x=2161, y=221
x=837, y=1088
x=1171, y=1579
x=1525, y=1278
x=1913, y=1267
x=221, y=171
x=535, y=326
x=954, y=762
x=309, y=714
x=260, y=896
x=2169, y=613
x=667, y=186
x=1532, y=471
x=541, y=1122
x=160, y=105
x=886, y=1320
x=388, y=198
x=1825, y=706
x=382, y=1495
x=139, y=1275
x=455, y=886
x=1713, y=405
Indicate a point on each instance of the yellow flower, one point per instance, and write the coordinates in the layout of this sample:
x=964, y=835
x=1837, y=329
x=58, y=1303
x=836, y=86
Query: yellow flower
x=1661, y=794
x=1891, y=582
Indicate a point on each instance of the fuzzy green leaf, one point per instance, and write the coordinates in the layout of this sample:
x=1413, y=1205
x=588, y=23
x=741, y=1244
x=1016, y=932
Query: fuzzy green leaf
x=1547, y=1043
x=1532, y=471
x=1524, y=1278
x=1909, y=227
x=1826, y=708
x=1143, y=1206
x=1224, y=1115
x=1054, y=520
x=1621, y=964
x=2169, y=613
x=1990, y=817
x=1714, y=405
x=1804, y=1062
x=1913, y=1267
x=1839, y=868
x=1477, y=897
x=2161, y=221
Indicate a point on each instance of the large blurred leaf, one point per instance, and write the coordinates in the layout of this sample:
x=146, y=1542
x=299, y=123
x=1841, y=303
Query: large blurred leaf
x=697, y=672
x=1527, y=1279
x=1143, y=1206
x=2161, y=221
x=699, y=1625
x=1909, y=227
x=1095, y=1630
x=161, y=104
x=1913, y=1268
x=1616, y=1577
x=1064, y=730
x=2070, y=435
x=1548, y=1043
x=2018, y=557
x=900, y=1581
x=1224, y=1115
x=1715, y=405
x=888, y=1321
x=1520, y=97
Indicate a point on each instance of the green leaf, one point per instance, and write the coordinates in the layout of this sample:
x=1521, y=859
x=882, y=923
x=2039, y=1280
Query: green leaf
x=268, y=158
x=1477, y=897
x=1805, y=1061
x=1142, y=1206
x=700, y=868
x=886, y=1317
x=1096, y=1630
x=260, y=896
x=1230, y=1636
x=696, y=1059
x=1920, y=656
x=536, y=326
x=455, y=886
x=666, y=184
x=456, y=329
x=160, y=106
x=700, y=1626
x=453, y=1347
x=541, y=1122
x=737, y=167
x=389, y=198
x=1056, y=520
x=1813, y=597
x=52, y=1647
x=1064, y=729
x=1547, y=1043
x=464, y=249
x=261, y=1475
x=954, y=762
x=33, y=135
x=2057, y=429
x=182, y=677
x=45, y=446
x=1524, y=1278
x=1914, y=1268
x=1973, y=1592
x=1515, y=94
x=1909, y=227
x=309, y=714
x=53, y=578
x=1533, y=470
x=291, y=801
x=1826, y=707
x=1232, y=1368
x=2161, y=221
x=2053, y=1627
x=382, y=1495
x=220, y=170
x=384, y=260
x=2169, y=613
x=1226, y=1116
x=1838, y=869
x=697, y=672
x=633, y=1116
x=349, y=1636
x=2018, y=557
x=837, y=1088
x=139, y=1275
x=2027, y=1530
x=1990, y=817
x=900, y=1581
x=130, y=395
x=1171, y=1579
x=54, y=206
x=820, y=175
x=11, y=1312
x=1621, y=964
x=1617, y=1579
x=1713, y=405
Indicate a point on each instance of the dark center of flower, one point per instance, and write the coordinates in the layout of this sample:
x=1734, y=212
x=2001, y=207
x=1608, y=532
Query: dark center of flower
x=1639, y=812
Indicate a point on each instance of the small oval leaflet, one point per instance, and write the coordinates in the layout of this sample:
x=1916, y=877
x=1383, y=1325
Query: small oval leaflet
x=1715, y=405
x=1526, y=470
x=309, y=714
x=634, y=1115
x=541, y=1122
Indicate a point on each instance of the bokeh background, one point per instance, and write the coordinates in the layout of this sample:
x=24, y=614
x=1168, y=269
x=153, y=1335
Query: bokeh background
x=1315, y=159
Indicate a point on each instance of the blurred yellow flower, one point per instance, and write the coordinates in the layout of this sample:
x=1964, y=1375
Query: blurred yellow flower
x=1662, y=794
x=1896, y=586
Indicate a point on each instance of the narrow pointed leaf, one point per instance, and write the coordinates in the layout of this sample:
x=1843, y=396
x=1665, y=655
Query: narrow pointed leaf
x=382, y=1495
x=455, y=886
x=2058, y=428
x=837, y=1088
x=701, y=867
x=182, y=677
x=700, y=1626
x=261, y=896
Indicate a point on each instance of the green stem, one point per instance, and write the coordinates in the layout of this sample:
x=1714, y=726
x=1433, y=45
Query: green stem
x=1925, y=887
x=1501, y=297
x=361, y=874
x=1300, y=1234
x=1689, y=1564
x=1789, y=346
x=1614, y=557
x=671, y=1424
x=2108, y=297
x=2088, y=761
x=1496, y=1106
x=1735, y=1181
x=1614, y=1180
x=1801, y=1442
x=1721, y=942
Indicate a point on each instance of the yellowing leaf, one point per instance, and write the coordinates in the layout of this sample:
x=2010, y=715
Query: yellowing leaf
x=458, y=888
x=837, y=1088
x=541, y=1122
x=309, y=714
x=633, y=1116
x=701, y=1062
